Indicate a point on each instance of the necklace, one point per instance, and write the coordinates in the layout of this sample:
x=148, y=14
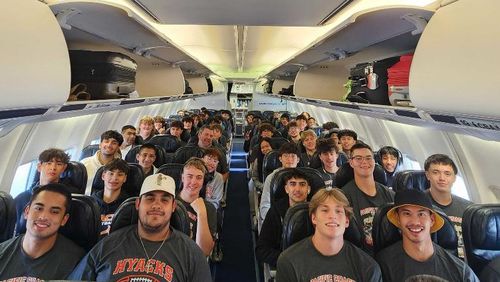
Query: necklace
x=146, y=252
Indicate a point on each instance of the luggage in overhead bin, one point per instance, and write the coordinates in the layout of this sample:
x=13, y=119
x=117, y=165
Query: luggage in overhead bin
x=369, y=82
x=107, y=75
x=398, y=81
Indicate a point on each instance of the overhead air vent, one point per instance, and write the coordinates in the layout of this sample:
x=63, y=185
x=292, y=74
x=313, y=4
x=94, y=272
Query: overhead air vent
x=334, y=12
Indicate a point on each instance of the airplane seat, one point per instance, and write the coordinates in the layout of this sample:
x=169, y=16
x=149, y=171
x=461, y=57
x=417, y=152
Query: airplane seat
x=169, y=158
x=8, y=216
x=297, y=225
x=132, y=185
x=277, y=141
x=384, y=233
x=126, y=215
x=270, y=163
x=278, y=182
x=175, y=171
x=410, y=179
x=346, y=174
x=184, y=153
x=84, y=223
x=342, y=159
x=481, y=234
x=74, y=176
x=89, y=151
x=268, y=115
x=168, y=142
x=160, y=155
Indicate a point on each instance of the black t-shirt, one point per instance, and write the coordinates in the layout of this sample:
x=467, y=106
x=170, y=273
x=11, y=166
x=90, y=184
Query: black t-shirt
x=397, y=266
x=302, y=262
x=107, y=210
x=56, y=264
x=328, y=177
x=193, y=218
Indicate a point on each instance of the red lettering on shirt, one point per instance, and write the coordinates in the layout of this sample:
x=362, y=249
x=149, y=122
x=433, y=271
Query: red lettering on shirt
x=159, y=268
x=169, y=273
x=131, y=263
x=331, y=278
x=140, y=266
x=120, y=267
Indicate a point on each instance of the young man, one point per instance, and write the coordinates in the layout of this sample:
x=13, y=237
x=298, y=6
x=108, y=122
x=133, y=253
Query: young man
x=150, y=250
x=301, y=121
x=129, y=135
x=41, y=253
x=294, y=132
x=289, y=157
x=176, y=129
x=311, y=122
x=347, y=139
x=308, y=140
x=326, y=256
x=146, y=129
x=159, y=125
x=214, y=188
x=327, y=152
x=441, y=172
x=416, y=254
x=188, y=131
x=205, y=137
x=364, y=194
x=202, y=214
x=108, y=150
x=268, y=246
x=146, y=158
x=114, y=176
x=389, y=158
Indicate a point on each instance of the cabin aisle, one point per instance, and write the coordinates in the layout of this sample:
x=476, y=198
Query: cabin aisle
x=238, y=263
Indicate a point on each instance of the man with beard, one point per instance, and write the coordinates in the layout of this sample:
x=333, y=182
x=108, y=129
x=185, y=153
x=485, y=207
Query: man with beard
x=150, y=250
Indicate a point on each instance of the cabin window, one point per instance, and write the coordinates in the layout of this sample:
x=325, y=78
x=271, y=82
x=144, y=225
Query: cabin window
x=95, y=142
x=410, y=163
x=459, y=188
x=23, y=179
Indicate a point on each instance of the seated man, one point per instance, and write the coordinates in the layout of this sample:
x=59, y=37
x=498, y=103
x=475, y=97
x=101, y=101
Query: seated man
x=389, y=158
x=416, y=254
x=268, y=246
x=293, y=132
x=441, y=172
x=129, y=138
x=146, y=157
x=347, y=139
x=109, y=147
x=327, y=152
x=326, y=256
x=202, y=214
x=41, y=253
x=51, y=164
x=150, y=250
x=214, y=188
x=109, y=199
x=176, y=129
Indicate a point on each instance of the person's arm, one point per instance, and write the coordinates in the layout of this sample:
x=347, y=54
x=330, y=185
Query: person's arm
x=85, y=270
x=265, y=200
x=268, y=246
x=204, y=237
x=255, y=175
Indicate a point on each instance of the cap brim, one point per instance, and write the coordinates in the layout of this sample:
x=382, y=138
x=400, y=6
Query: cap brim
x=393, y=217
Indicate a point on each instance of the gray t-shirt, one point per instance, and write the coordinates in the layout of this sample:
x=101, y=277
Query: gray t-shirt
x=455, y=212
x=55, y=264
x=121, y=257
x=397, y=266
x=365, y=206
x=302, y=262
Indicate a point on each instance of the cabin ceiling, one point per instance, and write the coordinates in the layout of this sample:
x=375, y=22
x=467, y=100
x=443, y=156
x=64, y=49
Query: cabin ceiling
x=231, y=39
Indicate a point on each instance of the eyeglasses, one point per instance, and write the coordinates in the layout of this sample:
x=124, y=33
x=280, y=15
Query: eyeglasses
x=361, y=158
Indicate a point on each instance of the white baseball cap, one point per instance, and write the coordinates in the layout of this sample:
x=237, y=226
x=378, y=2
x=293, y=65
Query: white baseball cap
x=158, y=182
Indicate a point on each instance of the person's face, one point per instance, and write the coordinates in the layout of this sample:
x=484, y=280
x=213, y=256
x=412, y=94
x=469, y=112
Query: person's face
x=441, y=177
x=50, y=171
x=211, y=162
x=265, y=147
x=328, y=159
x=330, y=219
x=301, y=124
x=155, y=210
x=335, y=138
x=176, y=131
x=294, y=131
x=113, y=179
x=146, y=128
x=389, y=162
x=129, y=136
x=225, y=116
x=205, y=138
x=187, y=124
x=284, y=121
x=362, y=162
x=310, y=143
x=146, y=157
x=311, y=122
x=45, y=214
x=109, y=147
x=415, y=223
x=289, y=160
x=192, y=181
x=158, y=125
x=249, y=119
x=196, y=119
x=347, y=142
x=217, y=134
x=297, y=190
x=266, y=133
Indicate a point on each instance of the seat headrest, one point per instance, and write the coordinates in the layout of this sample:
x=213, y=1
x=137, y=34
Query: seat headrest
x=160, y=155
x=132, y=185
x=168, y=142
x=278, y=182
x=184, y=153
x=84, y=223
x=481, y=247
x=126, y=214
x=74, y=177
x=7, y=216
x=410, y=179
x=89, y=151
x=175, y=171
x=270, y=163
x=346, y=174
x=277, y=141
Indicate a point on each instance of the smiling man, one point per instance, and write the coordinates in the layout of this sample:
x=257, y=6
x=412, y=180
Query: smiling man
x=416, y=254
x=149, y=251
x=326, y=256
x=146, y=158
x=41, y=253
